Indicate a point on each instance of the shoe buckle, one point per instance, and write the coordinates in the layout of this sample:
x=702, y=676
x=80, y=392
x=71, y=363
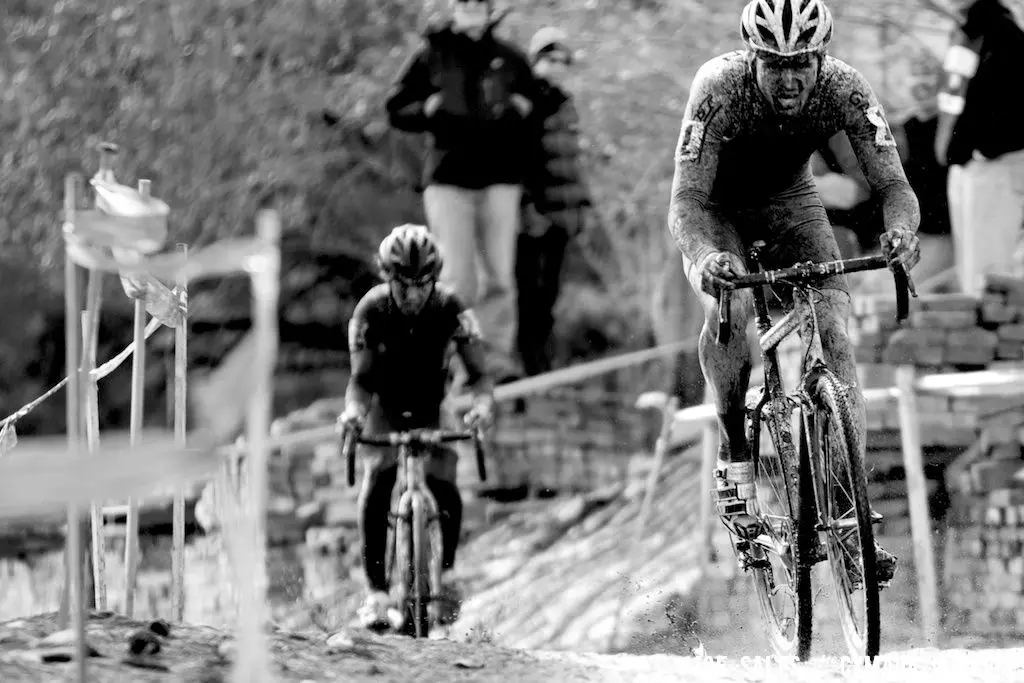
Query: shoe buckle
x=732, y=507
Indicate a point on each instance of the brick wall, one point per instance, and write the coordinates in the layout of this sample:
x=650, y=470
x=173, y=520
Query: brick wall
x=972, y=445
x=567, y=440
x=984, y=567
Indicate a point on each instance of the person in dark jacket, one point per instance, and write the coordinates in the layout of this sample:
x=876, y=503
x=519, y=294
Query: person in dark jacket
x=555, y=200
x=981, y=138
x=473, y=94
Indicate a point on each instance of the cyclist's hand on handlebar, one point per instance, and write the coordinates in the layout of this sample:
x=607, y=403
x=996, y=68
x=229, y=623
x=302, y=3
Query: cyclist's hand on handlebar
x=352, y=419
x=901, y=246
x=481, y=414
x=716, y=272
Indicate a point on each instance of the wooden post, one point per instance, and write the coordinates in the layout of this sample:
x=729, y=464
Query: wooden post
x=92, y=436
x=253, y=663
x=180, y=431
x=917, y=494
x=72, y=605
x=138, y=395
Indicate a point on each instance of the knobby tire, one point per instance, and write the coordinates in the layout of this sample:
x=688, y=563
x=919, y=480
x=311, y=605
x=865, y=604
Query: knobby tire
x=833, y=411
x=798, y=508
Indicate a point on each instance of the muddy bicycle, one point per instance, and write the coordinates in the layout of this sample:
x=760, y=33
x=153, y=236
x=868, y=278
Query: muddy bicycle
x=414, y=547
x=811, y=494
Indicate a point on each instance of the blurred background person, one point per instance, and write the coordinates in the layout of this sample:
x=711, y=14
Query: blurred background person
x=473, y=93
x=555, y=202
x=980, y=137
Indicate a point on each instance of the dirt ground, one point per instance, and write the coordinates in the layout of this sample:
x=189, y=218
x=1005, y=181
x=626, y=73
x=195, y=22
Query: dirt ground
x=34, y=651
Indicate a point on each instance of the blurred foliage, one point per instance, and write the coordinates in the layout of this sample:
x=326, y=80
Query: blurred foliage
x=226, y=105
x=218, y=102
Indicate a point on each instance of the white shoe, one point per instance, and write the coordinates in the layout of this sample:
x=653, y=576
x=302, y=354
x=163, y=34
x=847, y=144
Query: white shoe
x=373, y=614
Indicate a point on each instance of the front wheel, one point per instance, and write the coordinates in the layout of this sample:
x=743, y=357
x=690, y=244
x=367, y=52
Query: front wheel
x=418, y=592
x=841, y=491
x=781, y=576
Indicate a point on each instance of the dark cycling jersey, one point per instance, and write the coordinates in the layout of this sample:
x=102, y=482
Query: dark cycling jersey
x=401, y=361
x=734, y=151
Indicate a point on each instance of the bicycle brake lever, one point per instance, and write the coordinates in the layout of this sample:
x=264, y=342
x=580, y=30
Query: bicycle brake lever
x=724, y=323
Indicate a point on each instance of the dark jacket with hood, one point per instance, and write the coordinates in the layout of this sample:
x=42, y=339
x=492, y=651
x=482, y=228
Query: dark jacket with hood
x=478, y=137
x=555, y=182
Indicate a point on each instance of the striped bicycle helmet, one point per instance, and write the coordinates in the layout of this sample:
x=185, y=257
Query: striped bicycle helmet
x=786, y=27
x=409, y=252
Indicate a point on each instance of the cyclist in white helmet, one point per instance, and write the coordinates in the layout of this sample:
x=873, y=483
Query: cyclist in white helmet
x=398, y=340
x=753, y=119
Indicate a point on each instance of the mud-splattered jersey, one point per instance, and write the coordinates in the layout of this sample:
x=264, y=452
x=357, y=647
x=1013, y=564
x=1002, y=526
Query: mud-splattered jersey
x=732, y=143
x=402, y=360
x=733, y=151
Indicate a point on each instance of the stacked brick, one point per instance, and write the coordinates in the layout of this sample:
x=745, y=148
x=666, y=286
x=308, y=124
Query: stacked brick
x=984, y=565
x=568, y=440
x=572, y=439
x=944, y=330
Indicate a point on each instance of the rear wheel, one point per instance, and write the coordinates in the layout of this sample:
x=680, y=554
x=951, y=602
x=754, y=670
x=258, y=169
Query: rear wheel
x=782, y=576
x=842, y=494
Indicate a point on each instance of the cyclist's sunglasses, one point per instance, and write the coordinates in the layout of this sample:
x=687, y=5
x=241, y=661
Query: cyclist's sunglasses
x=555, y=55
x=408, y=283
x=778, y=62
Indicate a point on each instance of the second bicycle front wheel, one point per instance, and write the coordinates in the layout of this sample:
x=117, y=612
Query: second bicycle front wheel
x=419, y=571
x=841, y=490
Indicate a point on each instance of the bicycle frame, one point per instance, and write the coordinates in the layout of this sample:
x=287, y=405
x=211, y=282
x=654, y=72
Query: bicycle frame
x=802, y=315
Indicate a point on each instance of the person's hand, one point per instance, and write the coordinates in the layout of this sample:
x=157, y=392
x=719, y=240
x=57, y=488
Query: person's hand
x=481, y=414
x=901, y=246
x=522, y=105
x=351, y=419
x=716, y=272
x=432, y=104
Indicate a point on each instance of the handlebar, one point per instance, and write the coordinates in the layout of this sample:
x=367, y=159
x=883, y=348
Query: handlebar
x=423, y=437
x=803, y=273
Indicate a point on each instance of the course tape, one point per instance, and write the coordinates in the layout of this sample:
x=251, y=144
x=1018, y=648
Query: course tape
x=96, y=375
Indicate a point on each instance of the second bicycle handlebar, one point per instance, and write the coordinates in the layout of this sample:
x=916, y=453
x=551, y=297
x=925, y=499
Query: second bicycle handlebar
x=421, y=437
x=808, y=272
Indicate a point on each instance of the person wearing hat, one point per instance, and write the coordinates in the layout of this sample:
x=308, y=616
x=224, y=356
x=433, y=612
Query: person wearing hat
x=556, y=199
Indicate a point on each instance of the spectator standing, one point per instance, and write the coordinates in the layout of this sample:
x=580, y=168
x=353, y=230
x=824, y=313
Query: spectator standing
x=555, y=201
x=473, y=94
x=915, y=131
x=981, y=138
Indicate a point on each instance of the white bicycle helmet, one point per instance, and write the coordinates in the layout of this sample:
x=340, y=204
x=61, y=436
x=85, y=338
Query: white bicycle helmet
x=786, y=27
x=409, y=252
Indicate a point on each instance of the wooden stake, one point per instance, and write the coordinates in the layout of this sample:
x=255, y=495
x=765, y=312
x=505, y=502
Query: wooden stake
x=131, y=543
x=253, y=663
x=72, y=606
x=917, y=494
x=92, y=435
x=180, y=431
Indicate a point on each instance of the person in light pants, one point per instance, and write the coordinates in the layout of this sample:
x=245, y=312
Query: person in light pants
x=981, y=138
x=473, y=94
